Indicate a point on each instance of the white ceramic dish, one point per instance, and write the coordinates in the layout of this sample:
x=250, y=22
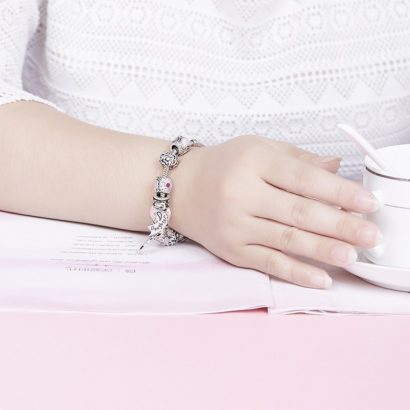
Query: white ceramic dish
x=389, y=277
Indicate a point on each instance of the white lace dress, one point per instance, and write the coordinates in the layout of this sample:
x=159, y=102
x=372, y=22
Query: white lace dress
x=215, y=69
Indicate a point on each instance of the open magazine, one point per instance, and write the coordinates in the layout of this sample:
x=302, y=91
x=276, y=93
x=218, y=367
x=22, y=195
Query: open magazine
x=50, y=265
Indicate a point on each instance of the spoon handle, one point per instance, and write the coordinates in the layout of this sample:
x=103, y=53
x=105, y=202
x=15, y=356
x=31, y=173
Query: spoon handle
x=365, y=147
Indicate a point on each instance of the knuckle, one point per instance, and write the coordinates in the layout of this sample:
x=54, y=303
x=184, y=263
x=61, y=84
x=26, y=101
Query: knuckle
x=303, y=179
x=339, y=192
x=288, y=238
x=299, y=213
x=294, y=273
x=343, y=226
x=273, y=266
x=322, y=249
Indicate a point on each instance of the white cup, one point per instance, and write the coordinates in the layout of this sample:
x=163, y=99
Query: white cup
x=393, y=216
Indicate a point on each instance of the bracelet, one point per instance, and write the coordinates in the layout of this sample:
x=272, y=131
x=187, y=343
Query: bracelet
x=160, y=211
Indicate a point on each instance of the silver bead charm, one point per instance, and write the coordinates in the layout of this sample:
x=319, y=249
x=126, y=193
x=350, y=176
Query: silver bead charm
x=160, y=212
x=155, y=212
x=181, y=145
x=163, y=184
x=169, y=159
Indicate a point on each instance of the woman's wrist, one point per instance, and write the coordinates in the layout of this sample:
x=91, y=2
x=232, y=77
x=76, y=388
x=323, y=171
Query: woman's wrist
x=184, y=189
x=160, y=211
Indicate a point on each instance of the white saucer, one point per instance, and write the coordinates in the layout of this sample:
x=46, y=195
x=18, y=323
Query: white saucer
x=385, y=276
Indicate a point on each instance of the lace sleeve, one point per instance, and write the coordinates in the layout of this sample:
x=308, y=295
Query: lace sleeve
x=18, y=22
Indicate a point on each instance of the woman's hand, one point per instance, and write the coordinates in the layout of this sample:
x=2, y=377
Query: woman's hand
x=258, y=203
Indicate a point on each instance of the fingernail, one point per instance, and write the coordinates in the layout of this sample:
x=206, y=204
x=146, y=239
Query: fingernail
x=369, y=236
x=343, y=255
x=366, y=202
x=328, y=159
x=320, y=280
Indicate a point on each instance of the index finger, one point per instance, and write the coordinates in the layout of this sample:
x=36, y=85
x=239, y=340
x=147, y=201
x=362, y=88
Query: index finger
x=330, y=163
x=303, y=178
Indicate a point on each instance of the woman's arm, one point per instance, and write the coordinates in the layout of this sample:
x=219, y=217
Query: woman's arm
x=248, y=200
x=252, y=201
x=52, y=165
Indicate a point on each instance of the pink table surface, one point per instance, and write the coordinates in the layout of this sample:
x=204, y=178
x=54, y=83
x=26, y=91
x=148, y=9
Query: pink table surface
x=252, y=361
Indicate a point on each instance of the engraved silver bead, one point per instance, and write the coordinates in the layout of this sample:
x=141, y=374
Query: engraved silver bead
x=155, y=213
x=169, y=159
x=160, y=205
x=181, y=145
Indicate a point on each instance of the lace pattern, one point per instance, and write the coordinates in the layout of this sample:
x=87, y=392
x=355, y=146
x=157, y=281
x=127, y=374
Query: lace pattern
x=215, y=69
